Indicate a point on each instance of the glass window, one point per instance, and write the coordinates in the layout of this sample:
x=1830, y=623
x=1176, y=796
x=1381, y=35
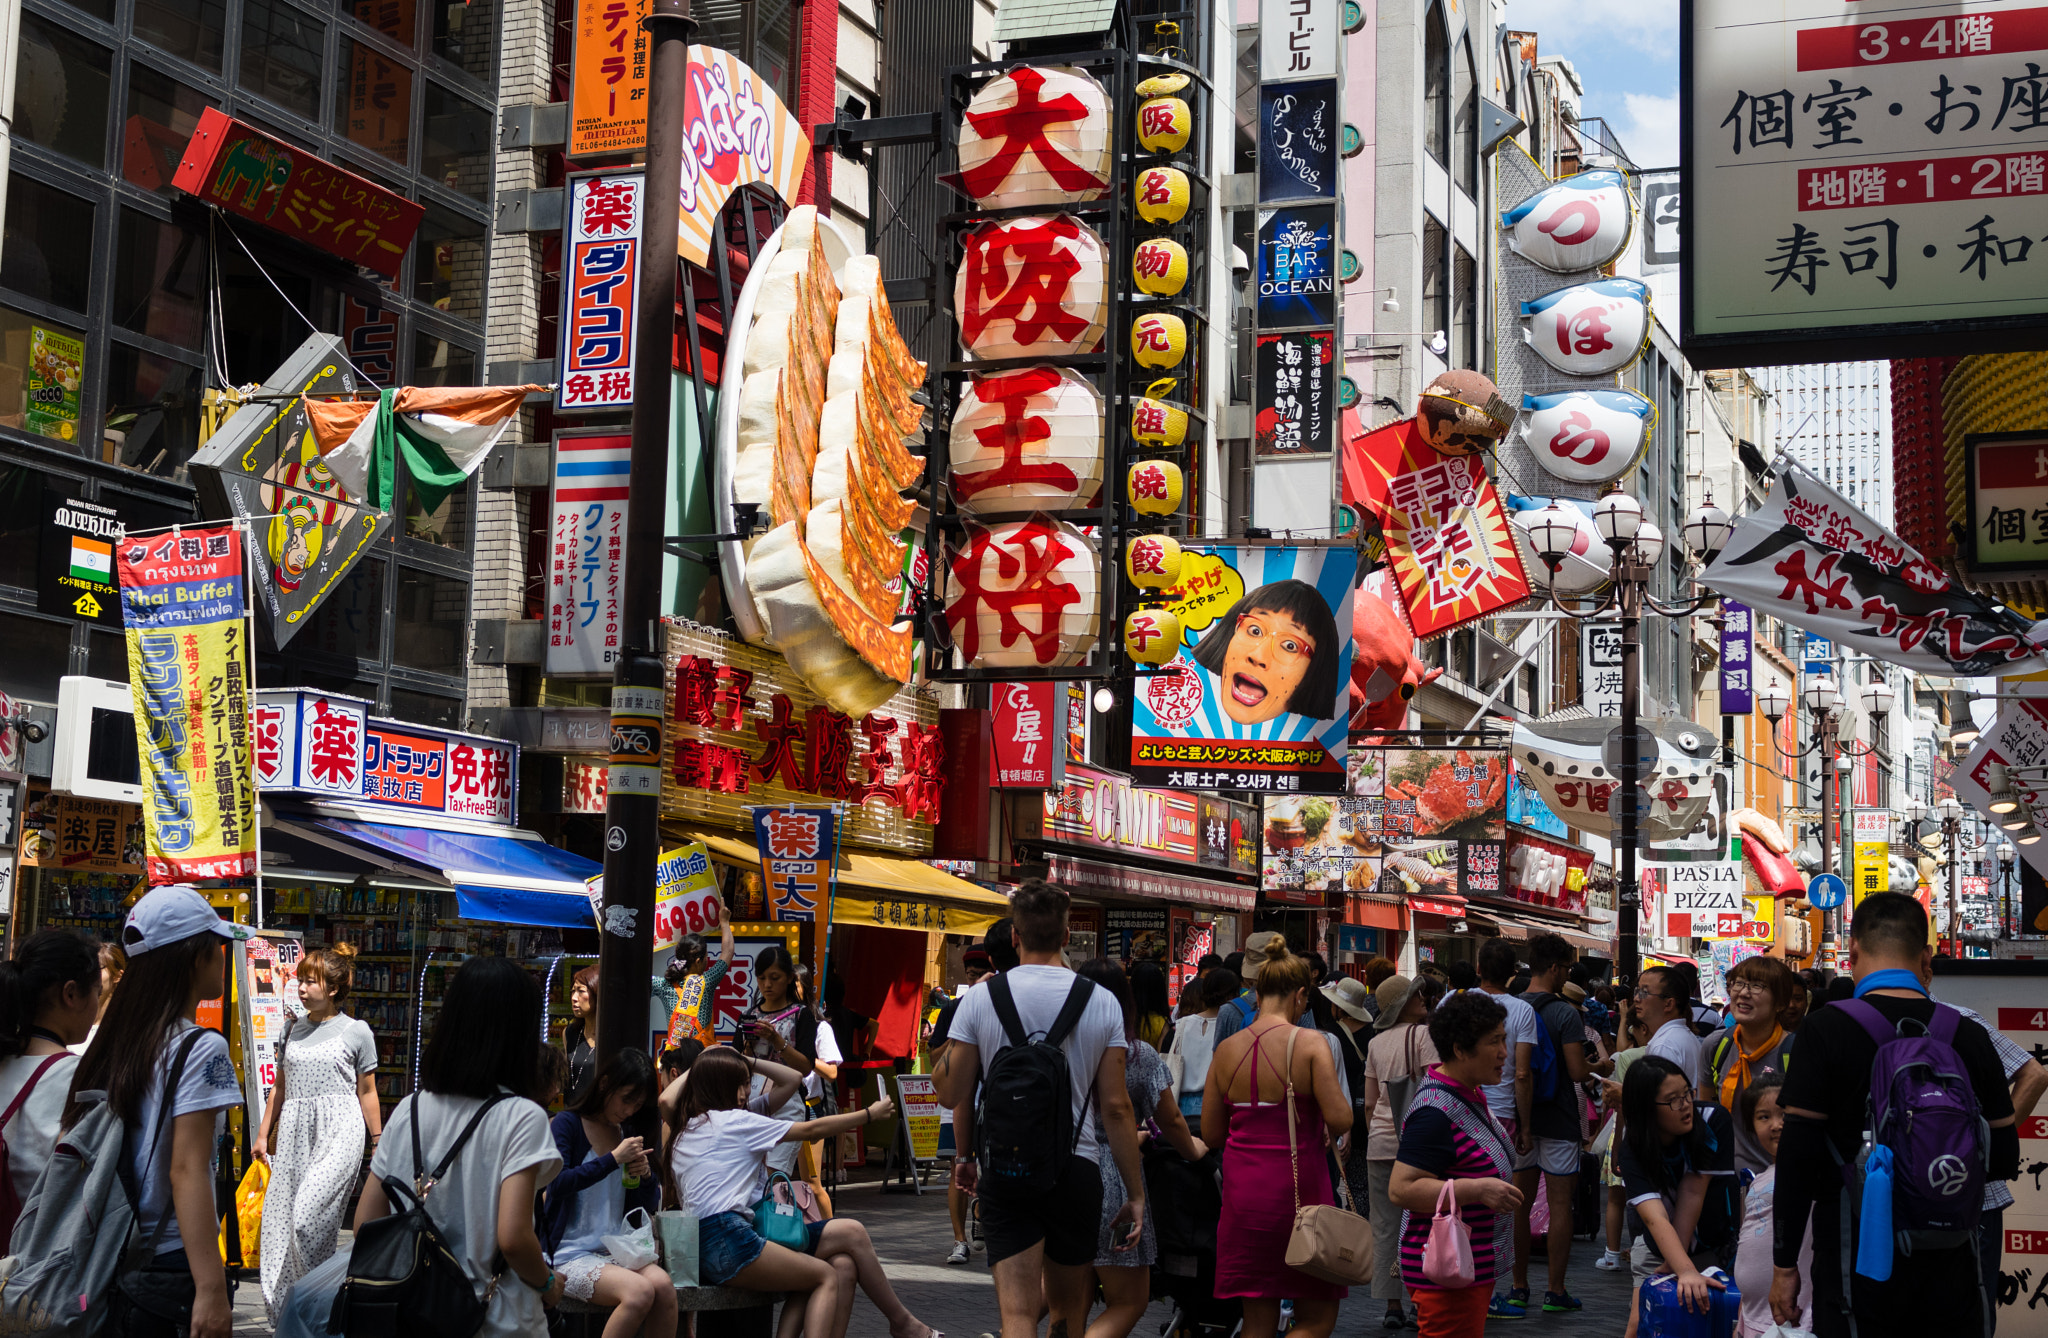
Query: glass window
x=1464, y=140
x=21, y=514
x=426, y=708
x=160, y=279
x=38, y=654
x=446, y=525
x=1464, y=326
x=462, y=36
x=152, y=411
x=373, y=100
x=281, y=54
x=162, y=114
x=449, y=259
x=370, y=333
x=440, y=362
x=456, y=143
x=188, y=28
x=1436, y=85
x=47, y=253
x=263, y=328
x=106, y=656
x=61, y=89
x=349, y=623
x=1436, y=305
x=42, y=372
x=430, y=623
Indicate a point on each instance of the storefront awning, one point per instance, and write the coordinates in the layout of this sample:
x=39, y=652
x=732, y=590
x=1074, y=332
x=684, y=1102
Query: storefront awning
x=507, y=877
x=1085, y=875
x=1520, y=929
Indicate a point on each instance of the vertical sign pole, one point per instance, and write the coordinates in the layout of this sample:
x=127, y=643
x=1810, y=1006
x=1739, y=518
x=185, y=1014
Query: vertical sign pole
x=1629, y=895
x=249, y=688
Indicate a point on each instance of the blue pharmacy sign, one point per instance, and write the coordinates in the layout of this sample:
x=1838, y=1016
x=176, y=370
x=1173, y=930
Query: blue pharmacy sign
x=1297, y=266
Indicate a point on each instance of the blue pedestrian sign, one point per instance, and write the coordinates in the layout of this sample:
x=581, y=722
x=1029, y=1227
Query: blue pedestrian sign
x=1827, y=891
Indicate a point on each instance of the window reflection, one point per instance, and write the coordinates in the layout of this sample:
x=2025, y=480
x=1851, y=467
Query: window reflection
x=431, y=618
x=152, y=412
x=373, y=100
x=281, y=52
x=42, y=376
x=449, y=257
x=456, y=143
x=441, y=362
x=188, y=28
x=61, y=89
x=47, y=253
x=162, y=114
x=159, y=279
x=463, y=36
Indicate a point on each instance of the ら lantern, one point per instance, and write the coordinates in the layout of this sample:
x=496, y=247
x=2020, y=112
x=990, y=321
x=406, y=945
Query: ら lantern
x=1154, y=487
x=1164, y=121
x=1151, y=636
x=1589, y=329
x=1156, y=423
x=1030, y=287
x=1587, y=436
x=1152, y=561
x=1026, y=440
x=1037, y=135
x=1025, y=593
x=1159, y=339
x=1581, y=222
x=1159, y=267
x=1162, y=194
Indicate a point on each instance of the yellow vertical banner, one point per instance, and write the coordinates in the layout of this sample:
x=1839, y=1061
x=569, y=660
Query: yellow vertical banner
x=1873, y=850
x=188, y=667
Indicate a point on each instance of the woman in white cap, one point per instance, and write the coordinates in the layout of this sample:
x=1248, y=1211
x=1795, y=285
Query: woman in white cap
x=1400, y=1053
x=150, y=1044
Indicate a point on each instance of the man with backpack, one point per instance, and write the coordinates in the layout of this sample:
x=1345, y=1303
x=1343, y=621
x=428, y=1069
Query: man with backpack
x=1046, y=1049
x=1558, y=1065
x=1895, y=1225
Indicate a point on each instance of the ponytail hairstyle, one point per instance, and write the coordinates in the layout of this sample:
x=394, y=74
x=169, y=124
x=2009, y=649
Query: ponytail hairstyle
x=336, y=967
x=44, y=963
x=121, y=1061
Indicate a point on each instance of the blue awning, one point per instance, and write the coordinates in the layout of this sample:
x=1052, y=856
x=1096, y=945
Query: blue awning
x=515, y=879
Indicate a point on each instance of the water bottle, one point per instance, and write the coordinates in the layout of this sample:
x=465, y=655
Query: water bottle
x=1664, y=1315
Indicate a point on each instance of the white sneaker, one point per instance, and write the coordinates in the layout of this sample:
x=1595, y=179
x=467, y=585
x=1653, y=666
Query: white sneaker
x=1611, y=1261
x=959, y=1255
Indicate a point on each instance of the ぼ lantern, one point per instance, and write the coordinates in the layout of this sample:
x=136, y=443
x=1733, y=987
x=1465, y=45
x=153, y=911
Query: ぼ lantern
x=1152, y=561
x=1164, y=124
x=1025, y=594
x=1037, y=135
x=1587, y=436
x=1154, y=487
x=1151, y=636
x=1159, y=267
x=1029, y=287
x=1590, y=329
x=1162, y=194
x=1159, y=339
x=1154, y=422
x=1030, y=439
x=1581, y=222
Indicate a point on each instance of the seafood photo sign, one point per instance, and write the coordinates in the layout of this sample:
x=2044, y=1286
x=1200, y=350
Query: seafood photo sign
x=1435, y=818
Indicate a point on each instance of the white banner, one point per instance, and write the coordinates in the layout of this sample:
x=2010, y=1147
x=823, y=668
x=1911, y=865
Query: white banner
x=1298, y=39
x=586, y=552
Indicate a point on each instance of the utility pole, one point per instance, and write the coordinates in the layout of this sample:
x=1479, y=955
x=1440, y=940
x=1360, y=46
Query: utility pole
x=632, y=814
x=1629, y=896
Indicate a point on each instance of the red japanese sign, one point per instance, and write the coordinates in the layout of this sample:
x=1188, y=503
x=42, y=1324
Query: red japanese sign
x=246, y=172
x=797, y=849
x=333, y=748
x=1026, y=755
x=601, y=268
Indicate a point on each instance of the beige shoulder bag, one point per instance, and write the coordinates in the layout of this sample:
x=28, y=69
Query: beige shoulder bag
x=1327, y=1242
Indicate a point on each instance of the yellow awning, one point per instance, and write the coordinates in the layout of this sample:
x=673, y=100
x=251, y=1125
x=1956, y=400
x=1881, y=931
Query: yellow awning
x=877, y=888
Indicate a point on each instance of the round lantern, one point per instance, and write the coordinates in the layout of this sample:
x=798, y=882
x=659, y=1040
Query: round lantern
x=1154, y=487
x=1162, y=194
x=1159, y=267
x=1025, y=594
x=1159, y=85
x=1587, y=561
x=1581, y=222
x=1152, y=561
x=1037, y=135
x=1590, y=329
x=1164, y=125
x=1151, y=636
x=1027, y=440
x=1587, y=436
x=1032, y=287
x=1155, y=423
x=1159, y=339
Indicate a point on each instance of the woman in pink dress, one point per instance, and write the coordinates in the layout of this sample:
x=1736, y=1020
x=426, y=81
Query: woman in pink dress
x=1254, y=1072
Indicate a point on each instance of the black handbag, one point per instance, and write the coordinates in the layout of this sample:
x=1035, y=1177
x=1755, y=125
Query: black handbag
x=403, y=1280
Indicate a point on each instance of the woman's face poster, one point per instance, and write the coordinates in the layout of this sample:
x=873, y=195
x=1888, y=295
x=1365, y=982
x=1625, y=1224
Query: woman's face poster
x=1255, y=699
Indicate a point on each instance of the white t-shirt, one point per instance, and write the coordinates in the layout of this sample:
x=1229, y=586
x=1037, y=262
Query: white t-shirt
x=1674, y=1041
x=464, y=1205
x=1521, y=1024
x=1040, y=992
x=721, y=1160
x=208, y=1083
x=1194, y=1040
x=33, y=1131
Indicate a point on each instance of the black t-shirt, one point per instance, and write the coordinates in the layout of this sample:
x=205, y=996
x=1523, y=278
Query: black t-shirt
x=1559, y=1116
x=1708, y=1150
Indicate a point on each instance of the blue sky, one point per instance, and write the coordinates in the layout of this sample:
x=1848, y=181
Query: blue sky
x=1626, y=53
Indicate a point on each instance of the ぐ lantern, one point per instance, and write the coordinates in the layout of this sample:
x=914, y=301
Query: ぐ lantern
x=1162, y=194
x=1154, y=487
x=1025, y=440
x=1152, y=561
x=1035, y=286
x=1164, y=124
x=1590, y=329
x=1587, y=436
x=1156, y=423
x=1037, y=135
x=1159, y=267
x=1159, y=339
x=1025, y=594
x=1151, y=636
x=1581, y=222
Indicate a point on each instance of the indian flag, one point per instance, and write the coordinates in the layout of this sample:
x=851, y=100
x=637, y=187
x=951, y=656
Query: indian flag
x=92, y=560
x=444, y=432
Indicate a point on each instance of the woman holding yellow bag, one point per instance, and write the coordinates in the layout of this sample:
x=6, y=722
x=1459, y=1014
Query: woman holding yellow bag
x=324, y=1105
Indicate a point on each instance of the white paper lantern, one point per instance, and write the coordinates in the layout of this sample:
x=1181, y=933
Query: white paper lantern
x=1037, y=135
x=1588, y=436
x=1587, y=563
x=1590, y=329
x=1029, y=439
x=1024, y=594
x=1032, y=287
x=1581, y=222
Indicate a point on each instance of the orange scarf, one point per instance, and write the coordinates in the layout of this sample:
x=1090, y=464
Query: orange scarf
x=1737, y=1076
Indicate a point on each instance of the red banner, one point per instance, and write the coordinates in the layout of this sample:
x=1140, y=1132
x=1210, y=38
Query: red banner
x=1026, y=743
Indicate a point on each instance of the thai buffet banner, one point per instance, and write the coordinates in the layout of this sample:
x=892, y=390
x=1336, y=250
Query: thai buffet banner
x=188, y=666
x=1810, y=557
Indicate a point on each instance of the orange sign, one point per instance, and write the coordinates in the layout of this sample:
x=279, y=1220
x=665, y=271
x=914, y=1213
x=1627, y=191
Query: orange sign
x=608, y=92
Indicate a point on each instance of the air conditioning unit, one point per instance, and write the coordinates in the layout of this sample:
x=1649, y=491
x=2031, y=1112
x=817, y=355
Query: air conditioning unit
x=95, y=756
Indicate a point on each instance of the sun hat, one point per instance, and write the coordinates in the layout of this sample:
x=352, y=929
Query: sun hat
x=1393, y=995
x=1350, y=995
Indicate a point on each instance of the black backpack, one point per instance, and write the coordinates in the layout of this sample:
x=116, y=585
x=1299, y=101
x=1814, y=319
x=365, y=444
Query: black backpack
x=403, y=1280
x=1028, y=1130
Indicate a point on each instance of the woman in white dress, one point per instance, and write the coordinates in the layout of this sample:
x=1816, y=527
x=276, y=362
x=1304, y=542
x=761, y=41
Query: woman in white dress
x=320, y=1113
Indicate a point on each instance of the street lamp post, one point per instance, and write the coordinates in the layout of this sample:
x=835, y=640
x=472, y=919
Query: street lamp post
x=2006, y=855
x=1822, y=700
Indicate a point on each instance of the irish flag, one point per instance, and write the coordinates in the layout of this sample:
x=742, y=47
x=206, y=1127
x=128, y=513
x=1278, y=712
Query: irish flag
x=444, y=432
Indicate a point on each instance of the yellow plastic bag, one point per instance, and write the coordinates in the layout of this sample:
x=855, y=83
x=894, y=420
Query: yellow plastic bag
x=249, y=1214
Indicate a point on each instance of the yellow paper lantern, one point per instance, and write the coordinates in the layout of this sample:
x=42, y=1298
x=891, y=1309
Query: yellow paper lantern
x=1154, y=487
x=1152, y=561
x=1155, y=422
x=1160, y=267
x=1164, y=124
x=1025, y=594
x=1022, y=143
x=1032, y=287
x=1029, y=439
x=1151, y=636
x=1163, y=194
x=1173, y=81
x=1159, y=339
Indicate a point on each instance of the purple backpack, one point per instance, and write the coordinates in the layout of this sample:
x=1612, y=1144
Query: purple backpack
x=1924, y=1109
